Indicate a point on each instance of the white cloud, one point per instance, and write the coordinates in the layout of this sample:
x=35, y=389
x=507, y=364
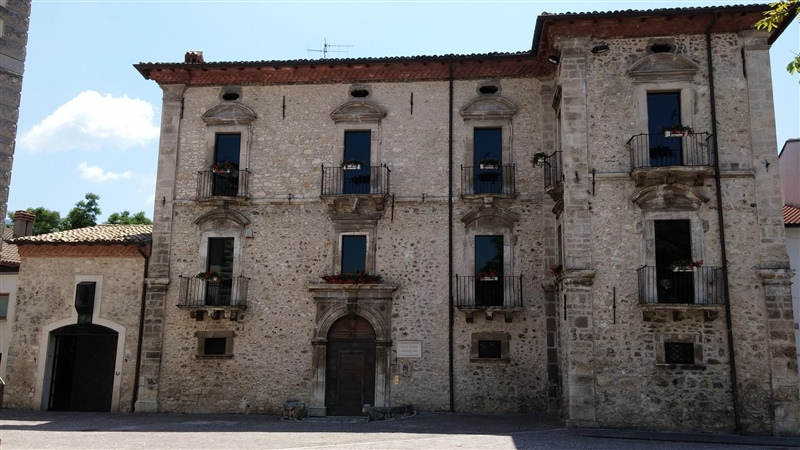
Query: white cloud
x=92, y=121
x=96, y=174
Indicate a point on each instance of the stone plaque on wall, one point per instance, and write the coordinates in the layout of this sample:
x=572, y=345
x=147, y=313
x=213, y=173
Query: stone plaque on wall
x=409, y=349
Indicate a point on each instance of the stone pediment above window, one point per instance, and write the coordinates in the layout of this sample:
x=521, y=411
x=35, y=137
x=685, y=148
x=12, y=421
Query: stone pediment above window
x=229, y=114
x=222, y=218
x=358, y=111
x=672, y=197
x=488, y=108
x=489, y=216
x=662, y=66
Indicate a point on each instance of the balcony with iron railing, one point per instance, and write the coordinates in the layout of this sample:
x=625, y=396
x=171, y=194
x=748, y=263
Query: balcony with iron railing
x=232, y=184
x=688, y=286
x=686, y=158
x=500, y=293
x=553, y=174
x=498, y=181
x=226, y=296
x=344, y=181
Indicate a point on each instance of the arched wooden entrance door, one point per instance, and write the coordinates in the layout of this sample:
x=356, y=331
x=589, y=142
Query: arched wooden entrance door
x=350, y=372
x=82, y=370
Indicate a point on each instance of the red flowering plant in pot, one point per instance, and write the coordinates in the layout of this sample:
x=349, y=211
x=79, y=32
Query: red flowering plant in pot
x=352, y=278
x=487, y=275
x=222, y=167
x=211, y=275
x=685, y=265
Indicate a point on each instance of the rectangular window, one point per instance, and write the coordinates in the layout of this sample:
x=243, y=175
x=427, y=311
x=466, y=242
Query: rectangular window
x=673, y=248
x=3, y=306
x=489, y=349
x=488, y=160
x=664, y=110
x=679, y=353
x=357, y=158
x=354, y=253
x=220, y=260
x=214, y=346
x=226, y=164
x=489, y=271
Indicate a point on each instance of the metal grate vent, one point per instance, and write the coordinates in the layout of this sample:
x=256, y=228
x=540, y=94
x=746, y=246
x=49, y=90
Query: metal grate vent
x=679, y=353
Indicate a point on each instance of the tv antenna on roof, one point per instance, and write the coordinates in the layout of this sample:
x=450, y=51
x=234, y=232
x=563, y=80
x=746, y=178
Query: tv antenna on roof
x=326, y=48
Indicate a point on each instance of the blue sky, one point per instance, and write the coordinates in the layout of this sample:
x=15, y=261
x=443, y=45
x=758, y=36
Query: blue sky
x=89, y=121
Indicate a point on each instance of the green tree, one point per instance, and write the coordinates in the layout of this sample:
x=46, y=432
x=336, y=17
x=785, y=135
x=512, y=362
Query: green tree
x=84, y=214
x=775, y=17
x=47, y=221
x=125, y=218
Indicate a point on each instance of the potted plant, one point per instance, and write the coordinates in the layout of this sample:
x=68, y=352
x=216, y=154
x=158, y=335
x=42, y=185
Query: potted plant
x=352, y=278
x=222, y=167
x=539, y=159
x=211, y=275
x=487, y=275
x=351, y=164
x=489, y=163
x=557, y=271
x=677, y=130
x=685, y=265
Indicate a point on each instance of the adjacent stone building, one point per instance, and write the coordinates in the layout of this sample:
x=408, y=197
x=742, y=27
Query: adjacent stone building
x=593, y=228
x=790, y=187
x=75, y=336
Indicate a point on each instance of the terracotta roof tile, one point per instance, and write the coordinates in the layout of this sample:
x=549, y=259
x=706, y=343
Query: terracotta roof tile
x=98, y=234
x=9, y=255
x=791, y=216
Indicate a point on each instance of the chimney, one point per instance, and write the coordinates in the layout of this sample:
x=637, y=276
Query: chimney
x=23, y=223
x=194, y=57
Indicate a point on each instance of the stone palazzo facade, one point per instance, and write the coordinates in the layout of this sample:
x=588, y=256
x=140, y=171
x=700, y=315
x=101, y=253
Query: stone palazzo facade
x=592, y=229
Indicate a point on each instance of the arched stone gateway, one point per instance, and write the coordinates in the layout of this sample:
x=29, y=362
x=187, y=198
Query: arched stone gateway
x=352, y=343
x=350, y=366
x=80, y=368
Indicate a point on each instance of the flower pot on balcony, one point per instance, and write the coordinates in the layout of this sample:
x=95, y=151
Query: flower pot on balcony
x=351, y=166
x=488, y=278
x=676, y=133
x=489, y=166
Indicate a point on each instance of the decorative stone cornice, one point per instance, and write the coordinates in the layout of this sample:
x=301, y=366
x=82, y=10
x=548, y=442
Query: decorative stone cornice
x=669, y=197
x=229, y=114
x=491, y=213
x=662, y=66
x=488, y=108
x=358, y=111
x=578, y=277
x=225, y=215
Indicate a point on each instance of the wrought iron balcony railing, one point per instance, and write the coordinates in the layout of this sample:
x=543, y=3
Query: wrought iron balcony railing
x=480, y=293
x=199, y=292
x=497, y=180
x=656, y=150
x=697, y=286
x=212, y=184
x=553, y=171
x=355, y=181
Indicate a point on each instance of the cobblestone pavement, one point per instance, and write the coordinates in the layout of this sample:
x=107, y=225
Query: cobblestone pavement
x=62, y=430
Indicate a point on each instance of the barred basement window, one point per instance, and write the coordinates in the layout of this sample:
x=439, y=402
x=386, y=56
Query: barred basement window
x=214, y=344
x=679, y=353
x=489, y=349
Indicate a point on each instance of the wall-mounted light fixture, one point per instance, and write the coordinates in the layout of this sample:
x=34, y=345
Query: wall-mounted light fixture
x=553, y=59
x=598, y=49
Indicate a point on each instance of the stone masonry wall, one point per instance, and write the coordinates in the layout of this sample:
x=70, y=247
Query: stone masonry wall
x=294, y=243
x=46, y=295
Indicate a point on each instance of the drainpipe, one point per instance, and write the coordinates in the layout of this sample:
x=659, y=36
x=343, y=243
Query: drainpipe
x=146, y=257
x=450, y=234
x=721, y=220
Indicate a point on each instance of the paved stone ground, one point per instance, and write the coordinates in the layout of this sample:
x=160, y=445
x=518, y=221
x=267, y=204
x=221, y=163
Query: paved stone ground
x=60, y=430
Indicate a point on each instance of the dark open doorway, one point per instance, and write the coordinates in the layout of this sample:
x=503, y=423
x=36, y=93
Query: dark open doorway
x=82, y=371
x=350, y=367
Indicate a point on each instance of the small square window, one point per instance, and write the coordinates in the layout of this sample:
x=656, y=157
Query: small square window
x=679, y=353
x=489, y=349
x=3, y=306
x=214, y=344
